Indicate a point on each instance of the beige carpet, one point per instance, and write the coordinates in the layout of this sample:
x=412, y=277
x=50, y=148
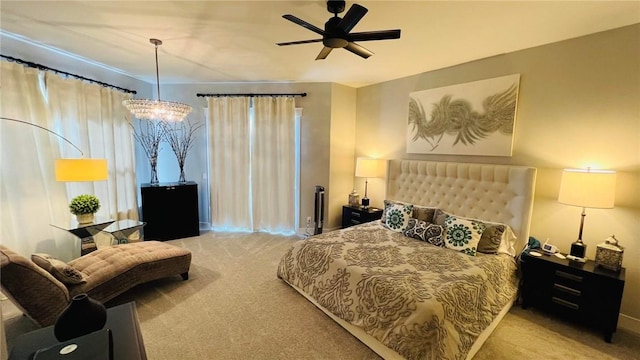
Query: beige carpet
x=234, y=307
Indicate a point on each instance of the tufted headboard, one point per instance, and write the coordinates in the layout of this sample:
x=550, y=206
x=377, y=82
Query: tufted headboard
x=498, y=193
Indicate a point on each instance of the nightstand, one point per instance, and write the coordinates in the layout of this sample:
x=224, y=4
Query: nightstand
x=578, y=291
x=357, y=215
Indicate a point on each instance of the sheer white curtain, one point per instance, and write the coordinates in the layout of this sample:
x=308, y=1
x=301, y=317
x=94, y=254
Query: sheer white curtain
x=252, y=163
x=30, y=198
x=273, y=164
x=93, y=119
x=229, y=161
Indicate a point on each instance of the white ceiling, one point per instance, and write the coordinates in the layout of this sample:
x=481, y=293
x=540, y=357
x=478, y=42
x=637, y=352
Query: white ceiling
x=235, y=41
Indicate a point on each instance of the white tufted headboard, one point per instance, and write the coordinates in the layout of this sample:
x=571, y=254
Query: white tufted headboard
x=498, y=193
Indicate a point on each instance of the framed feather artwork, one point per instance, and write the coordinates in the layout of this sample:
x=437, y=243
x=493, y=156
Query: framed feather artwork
x=475, y=118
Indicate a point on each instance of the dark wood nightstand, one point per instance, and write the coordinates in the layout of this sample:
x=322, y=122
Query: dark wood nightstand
x=579, y=291
x=357, y=215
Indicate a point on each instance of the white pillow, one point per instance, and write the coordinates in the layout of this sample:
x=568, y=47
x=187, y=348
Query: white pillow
x=396, y=216
x=462, y=235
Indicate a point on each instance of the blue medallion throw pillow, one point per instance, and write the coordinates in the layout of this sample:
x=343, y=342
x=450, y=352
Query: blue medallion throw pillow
x=425, y=231
x=462, y=235
x=396, y=216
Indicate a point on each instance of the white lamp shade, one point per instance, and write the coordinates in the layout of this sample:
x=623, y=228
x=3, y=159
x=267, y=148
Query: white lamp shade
x=366, y=168
x=81, y=169
x=588, y=188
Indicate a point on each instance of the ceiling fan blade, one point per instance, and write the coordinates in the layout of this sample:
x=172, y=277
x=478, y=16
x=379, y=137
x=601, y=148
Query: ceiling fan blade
x=351, y=18
x=303, y=23
x=299, y=42
x=375, y=35
x=358, y=50
x=324, y=53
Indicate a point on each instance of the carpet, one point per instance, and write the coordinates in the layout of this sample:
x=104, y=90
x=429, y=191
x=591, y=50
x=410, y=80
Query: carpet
x=234, y=307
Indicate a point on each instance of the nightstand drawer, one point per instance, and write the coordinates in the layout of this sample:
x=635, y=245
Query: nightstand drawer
x=355, y=215
x=569, y=276
x=559, y=288
x=565, y=303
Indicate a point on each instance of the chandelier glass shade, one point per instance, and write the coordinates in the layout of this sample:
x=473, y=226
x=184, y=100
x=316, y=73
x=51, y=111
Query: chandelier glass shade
x=147, y=109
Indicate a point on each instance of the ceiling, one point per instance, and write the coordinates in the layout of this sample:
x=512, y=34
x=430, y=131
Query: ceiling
x=235, y=41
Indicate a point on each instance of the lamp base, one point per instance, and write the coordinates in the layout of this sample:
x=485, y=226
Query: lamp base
x=365, y=203
x=578, y=249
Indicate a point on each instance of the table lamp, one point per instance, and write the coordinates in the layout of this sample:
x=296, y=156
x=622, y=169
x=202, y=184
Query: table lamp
x=586, y=188
x=366, y=168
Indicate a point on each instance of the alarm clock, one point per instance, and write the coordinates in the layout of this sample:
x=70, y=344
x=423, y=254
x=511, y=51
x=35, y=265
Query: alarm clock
x=548, y=248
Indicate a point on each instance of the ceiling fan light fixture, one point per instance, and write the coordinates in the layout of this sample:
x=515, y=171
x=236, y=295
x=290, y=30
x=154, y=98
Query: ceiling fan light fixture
x=148, y=109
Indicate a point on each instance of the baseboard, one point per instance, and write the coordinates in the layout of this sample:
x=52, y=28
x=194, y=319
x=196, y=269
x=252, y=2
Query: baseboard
x=629, y=323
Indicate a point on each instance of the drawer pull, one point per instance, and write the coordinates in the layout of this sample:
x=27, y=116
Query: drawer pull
x=567, y=289
x=566, y=275
x=565, y=303
x=356, y=222
x=355, y=214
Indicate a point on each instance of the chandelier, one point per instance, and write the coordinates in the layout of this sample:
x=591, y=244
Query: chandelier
x=148, y=109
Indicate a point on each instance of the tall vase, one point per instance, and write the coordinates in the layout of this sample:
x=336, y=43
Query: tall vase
x=154, y=171
x=82, y=316
x=182, y=177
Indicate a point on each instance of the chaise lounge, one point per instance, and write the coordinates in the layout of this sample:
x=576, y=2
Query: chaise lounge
x=42, y=288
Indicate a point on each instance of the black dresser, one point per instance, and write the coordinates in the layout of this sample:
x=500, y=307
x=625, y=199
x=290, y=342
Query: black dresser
x=581, y=292
x=170, y=210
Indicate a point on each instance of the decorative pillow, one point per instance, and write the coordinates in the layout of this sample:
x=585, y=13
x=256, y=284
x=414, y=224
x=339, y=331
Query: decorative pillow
x=397, y=216
x=59, y=269
x=420, y=212
x=497, y=237
x=424, y=213
x=425, y=231
x=462, y=235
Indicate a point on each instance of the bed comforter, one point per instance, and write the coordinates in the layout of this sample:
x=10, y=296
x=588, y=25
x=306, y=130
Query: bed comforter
x=423, y=301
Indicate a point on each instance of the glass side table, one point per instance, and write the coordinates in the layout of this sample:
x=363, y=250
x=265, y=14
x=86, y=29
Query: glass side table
x=121, y=230
x=85, y=231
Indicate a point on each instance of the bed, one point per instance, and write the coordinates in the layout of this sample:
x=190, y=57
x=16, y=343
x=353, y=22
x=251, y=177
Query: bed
x=404, y=285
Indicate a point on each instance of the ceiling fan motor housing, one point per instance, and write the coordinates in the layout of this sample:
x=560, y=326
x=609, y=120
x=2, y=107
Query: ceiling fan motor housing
x=335, y=7
x=335, y=37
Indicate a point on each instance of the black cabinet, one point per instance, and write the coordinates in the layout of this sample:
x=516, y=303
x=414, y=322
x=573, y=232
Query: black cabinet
x=581, y=292
x=357, y=215
x=170, y=210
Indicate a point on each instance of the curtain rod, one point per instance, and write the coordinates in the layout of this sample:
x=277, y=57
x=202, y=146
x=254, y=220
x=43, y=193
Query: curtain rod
x=42, y=67
x=249, y=95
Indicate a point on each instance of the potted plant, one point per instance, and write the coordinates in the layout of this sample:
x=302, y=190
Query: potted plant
x=83, y=207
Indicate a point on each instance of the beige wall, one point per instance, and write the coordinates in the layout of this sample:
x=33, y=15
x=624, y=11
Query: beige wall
x=579, y=105
x=342, y=167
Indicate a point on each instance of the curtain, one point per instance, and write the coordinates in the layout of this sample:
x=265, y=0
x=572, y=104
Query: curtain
x=273, y=164
x=30, y=197
x=252, y=163
x=92, y=118
x=229, y=161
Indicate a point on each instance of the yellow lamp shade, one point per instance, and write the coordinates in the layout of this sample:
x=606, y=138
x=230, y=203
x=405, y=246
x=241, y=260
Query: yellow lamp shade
x=588, y=188
x=81, y=169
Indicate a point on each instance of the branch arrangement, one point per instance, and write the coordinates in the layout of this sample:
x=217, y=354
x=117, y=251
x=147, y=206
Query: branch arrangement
x=180, y=137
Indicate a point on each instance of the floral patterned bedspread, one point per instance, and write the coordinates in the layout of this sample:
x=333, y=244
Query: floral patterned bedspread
x=423, y=301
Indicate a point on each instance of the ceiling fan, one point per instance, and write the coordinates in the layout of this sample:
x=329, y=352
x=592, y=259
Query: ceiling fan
x=336, y=31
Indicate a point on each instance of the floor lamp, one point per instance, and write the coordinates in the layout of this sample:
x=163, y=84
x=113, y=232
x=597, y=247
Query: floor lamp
x=586, y=188
x=83, y=169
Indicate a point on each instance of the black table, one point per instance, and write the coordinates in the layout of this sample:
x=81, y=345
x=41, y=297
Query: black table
x=121, y=319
